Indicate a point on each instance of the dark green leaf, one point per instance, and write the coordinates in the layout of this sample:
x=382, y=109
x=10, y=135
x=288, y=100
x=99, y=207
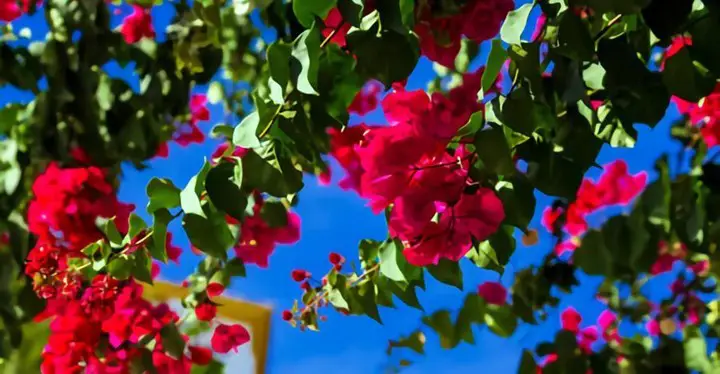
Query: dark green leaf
x=210, y=235
x=527, y=363
x=441, y=323
x=494, y=151
x=172, y=340
x=162, y=193
x=235, y=267
x=687, y=79
x=495, y=61
x=274, y=214
x=136, y=225
x=351, y=11
x=666, y=17
x=592, y=256
x=500, y=319
x=414, y=341
x=518, y=197
x=522, y=114
x=574, y=39
x=448, y=272
x=307, y=10
x=385, y=55
x=223, y=185
x=157, y=245
x=142, y=267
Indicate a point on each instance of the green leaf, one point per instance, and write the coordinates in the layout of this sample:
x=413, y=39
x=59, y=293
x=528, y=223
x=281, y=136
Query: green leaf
x=120, y=267
x=390, y=258
x=278, y=57
x=307, y=10
x=162, y=194
x=223, y=185
x=448, y=272
x=306, y=52
x=190, y=195
x=235, y=267
x=472, y=311
x=336, y=299
x=385, y=55
x=245, y=134
x=274, y=214
x=522, y=114
x=266, y=177
x=157, y=245
x=527, y=363
x=142, y=267
x=500, y=319
x=695, y=349
x=495, y=61
x=514, y=24
x=574, y=40
x=666, y=17
x=687, y=79
x=441, y=323
x=172, y=340
x=550, y=172
x=414, y=341
x=111, y=232
x=592, y=256
x=494, y=151
x=210, y=235
x=136, y=225
x=351, y=11
x=518, y=197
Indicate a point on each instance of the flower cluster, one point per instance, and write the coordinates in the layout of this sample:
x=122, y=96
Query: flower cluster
x=10, y=10
x=440, y=35
x=616, y=186
x=407, y=165
x=98, y=324
x=189, y=132
x=259, y=239
x=137, y=25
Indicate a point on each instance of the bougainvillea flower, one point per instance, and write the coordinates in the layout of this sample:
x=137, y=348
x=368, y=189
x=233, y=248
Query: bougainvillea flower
x=229, y=337
x=570, y=320
x=367, y=99
x=493, y=293
x=137, y=25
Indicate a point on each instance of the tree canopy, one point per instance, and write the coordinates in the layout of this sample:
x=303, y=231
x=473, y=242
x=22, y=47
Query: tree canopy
x=456, y=171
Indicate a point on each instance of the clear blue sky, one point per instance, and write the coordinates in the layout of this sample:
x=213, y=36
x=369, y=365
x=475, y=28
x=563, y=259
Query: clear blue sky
x=336, y=220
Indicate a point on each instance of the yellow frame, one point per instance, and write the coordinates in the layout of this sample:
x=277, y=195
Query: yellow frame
x=256, y=315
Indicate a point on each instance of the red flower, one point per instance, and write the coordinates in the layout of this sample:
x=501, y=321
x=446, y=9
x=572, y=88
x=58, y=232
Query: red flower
x=205, y=312
x=299, y=275
x=336, y=258
x=367, y=99
x=228, y=337
x=332, y=21
x=494, y=293
x=137, y=25
x=287, y=315
x=571, y=319
x=9, y=9
x=200, y=355
x=215, y=289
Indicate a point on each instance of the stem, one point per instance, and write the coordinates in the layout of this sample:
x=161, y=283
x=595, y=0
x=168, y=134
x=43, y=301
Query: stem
x=607, y=27
x=322, y=295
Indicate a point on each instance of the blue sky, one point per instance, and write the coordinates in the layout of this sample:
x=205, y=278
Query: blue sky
x=336, y=220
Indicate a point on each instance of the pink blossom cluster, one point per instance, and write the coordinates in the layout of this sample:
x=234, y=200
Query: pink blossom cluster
x=440, y=36
x=407, y=165
x=616, y=186
x=96, y=324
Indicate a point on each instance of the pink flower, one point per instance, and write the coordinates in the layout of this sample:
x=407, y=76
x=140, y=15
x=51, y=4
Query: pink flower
x=494, y=293
x=550, y=217
x=215, y=289
x=10, y=11
x=332, y=21
x=137, y=25
x=652, y=327
x=570, y=320
x=228, y=337
x=476, y=216
x=367, y=99
x=205, y=311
